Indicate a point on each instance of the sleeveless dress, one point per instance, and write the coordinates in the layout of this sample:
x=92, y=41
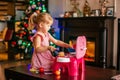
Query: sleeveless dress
x=43, y=59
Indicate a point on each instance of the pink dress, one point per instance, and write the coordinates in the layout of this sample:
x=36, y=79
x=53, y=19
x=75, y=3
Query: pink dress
x=43, y=59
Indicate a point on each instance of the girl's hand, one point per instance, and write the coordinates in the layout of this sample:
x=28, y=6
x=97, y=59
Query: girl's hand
x=51, y=48
x=69, y=46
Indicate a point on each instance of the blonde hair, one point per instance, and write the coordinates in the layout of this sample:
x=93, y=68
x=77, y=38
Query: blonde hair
x=40, y=17
x=44, y=17
x=31, y=21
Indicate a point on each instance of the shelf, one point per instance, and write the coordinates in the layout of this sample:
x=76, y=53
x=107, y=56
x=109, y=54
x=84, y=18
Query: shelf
x=20, y=6
x=8, y=7
x=2, y=3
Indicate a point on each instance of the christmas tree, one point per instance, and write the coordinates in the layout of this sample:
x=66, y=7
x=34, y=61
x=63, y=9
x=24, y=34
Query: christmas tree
x=21, y=43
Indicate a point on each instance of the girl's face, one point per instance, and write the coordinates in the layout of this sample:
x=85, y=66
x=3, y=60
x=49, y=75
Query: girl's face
x=45, y=27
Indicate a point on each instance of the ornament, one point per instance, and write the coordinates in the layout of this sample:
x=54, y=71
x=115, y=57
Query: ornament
x=41, y=69
x=26, y=50
x=24, y=33
x=28, y=44
x=22, y=47
x=19, y=42
x=38, y=3
x=33, y=6
x=40, y=8
x=25, y=25
x=13, y=43
x=20, y=36
x=22, y=28
x=43, y=8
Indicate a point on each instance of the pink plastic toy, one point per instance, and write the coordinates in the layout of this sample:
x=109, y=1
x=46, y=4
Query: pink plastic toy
x=73, y=65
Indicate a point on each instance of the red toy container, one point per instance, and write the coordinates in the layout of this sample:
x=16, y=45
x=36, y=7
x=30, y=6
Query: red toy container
x=73, y=65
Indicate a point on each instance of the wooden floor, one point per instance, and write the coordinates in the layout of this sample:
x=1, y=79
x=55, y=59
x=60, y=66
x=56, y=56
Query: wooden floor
x=6, y=64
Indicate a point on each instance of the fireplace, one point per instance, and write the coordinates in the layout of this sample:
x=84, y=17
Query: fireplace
x=90, y=52
x=99, y=35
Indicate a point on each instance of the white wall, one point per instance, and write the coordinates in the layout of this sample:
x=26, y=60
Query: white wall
x=117, y=15
x=56, y=7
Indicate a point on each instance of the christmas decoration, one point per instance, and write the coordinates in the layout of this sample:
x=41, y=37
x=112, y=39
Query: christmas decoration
x=20, y=42
x=37, y=5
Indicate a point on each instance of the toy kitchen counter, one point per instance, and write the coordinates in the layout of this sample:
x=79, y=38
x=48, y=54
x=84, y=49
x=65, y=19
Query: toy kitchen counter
x=90, y=73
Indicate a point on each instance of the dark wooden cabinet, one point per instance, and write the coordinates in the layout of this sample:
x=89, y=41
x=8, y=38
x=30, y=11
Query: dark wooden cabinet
x=101, y=29
x=118, y=52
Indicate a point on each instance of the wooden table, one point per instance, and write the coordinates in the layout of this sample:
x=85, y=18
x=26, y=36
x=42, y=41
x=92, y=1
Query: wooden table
x=91, y=73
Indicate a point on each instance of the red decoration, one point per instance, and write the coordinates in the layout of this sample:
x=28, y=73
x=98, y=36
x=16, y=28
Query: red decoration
x=41, y=69
x=21, y=35
x=38, y=3
x=25, y=25
x=13, y=43
x=24, y=33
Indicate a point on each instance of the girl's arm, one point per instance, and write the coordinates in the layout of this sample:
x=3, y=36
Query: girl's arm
x=59, y=42
x=38, y=48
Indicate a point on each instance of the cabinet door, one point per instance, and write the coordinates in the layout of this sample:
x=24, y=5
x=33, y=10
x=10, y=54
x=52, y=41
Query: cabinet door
x=118, y=54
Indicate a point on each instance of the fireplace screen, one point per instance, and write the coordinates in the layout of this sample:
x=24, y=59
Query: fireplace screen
x=90, y=53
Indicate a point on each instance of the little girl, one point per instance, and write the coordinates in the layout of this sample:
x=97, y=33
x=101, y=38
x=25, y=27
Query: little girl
x=42, y=56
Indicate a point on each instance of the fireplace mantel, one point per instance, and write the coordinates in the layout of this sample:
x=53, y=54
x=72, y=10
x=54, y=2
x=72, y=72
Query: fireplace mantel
x=101, y=28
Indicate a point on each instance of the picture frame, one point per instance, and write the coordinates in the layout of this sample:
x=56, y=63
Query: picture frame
x=110, y=11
